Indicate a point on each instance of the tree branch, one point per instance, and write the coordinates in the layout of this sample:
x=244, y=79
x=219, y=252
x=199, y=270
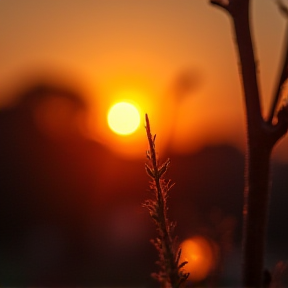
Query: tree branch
x=239, y=11
x=284, y=71
x=262, y=136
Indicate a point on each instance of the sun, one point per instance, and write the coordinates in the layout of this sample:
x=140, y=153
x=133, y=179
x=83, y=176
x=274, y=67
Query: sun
x=123, y=118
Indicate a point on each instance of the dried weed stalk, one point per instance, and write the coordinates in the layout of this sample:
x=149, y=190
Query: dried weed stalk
x=170, y=274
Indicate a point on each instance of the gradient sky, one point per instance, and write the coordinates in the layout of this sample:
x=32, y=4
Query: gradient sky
x=142, y=46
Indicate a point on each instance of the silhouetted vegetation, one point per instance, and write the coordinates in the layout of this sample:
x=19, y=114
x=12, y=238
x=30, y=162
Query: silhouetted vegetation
x=262, y=135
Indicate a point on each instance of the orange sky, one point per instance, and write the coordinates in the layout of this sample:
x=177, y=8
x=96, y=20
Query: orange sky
x=142, y=46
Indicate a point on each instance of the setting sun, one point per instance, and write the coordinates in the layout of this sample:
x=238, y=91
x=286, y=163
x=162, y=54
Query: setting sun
x=123, y=118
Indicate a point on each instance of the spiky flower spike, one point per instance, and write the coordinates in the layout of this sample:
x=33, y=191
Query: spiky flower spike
x=170, y=274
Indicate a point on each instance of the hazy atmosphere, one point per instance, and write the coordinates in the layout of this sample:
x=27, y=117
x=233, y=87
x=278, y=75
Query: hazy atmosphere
x=144, y=47
x=72, y=185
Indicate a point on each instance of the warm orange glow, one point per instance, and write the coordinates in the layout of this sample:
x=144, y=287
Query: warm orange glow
x=134, y=52
x=123, y=118
x=199, y=254
x=58, y=118
x=132, y=145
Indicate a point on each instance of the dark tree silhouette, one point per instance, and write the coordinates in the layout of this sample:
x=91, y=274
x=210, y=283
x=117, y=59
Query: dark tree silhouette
x=262, y=136
x=50, y=175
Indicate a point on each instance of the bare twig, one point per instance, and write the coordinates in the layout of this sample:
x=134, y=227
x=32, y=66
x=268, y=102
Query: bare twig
x=262, y=137
x=284, y=71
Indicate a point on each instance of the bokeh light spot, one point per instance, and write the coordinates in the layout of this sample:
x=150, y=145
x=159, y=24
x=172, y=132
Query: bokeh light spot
x=123, y=118
x=198, y=252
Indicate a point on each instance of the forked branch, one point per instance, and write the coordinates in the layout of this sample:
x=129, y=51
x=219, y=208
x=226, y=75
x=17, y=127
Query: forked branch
x=262, y=136
x=284, y=71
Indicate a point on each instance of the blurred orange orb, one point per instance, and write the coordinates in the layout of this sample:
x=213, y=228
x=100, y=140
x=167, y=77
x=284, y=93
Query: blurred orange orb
x=123, y=118
x=199, y=254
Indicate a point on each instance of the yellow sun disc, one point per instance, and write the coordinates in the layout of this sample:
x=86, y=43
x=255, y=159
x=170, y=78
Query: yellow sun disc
x=123, y=118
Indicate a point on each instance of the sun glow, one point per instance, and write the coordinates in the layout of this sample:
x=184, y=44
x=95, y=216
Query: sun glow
x=123, y=118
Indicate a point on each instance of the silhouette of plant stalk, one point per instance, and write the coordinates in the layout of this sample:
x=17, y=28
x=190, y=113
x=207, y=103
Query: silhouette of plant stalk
x=170, y=275
x=262, y=137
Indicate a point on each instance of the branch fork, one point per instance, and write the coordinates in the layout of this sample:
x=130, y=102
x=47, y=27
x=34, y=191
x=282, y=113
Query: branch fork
x=262, y=137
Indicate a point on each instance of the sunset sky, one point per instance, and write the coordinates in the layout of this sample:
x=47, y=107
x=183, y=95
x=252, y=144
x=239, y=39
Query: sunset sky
x=71, y=205
x=137, y=49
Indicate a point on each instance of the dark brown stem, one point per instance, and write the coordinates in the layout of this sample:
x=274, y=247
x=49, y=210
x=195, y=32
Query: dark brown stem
x=257, y=161
x=282, y=78
x=256, y=200
x=159, y=211
x=248, y=69
x=151, y=142
x=261, y=139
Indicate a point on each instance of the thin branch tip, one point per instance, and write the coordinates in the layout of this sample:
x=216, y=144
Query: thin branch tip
x=283, y=8
x=282, y=79
x=165, y=243
x=147, y=121
x=220, y=3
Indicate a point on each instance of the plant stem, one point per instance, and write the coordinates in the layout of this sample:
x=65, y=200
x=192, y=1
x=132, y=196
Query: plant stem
x=255, y=213
x=169, y=275
x=262, y=137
